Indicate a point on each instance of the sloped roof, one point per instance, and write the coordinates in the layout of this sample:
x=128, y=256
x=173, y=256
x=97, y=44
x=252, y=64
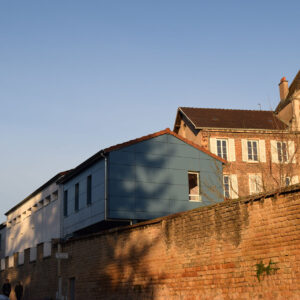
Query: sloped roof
x=295, y=85
x=100, y=154
x=232, y=118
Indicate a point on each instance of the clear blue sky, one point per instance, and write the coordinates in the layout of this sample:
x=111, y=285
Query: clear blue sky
x=77, y=76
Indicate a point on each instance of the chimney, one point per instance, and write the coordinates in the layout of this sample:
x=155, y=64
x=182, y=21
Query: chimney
x=283, y=88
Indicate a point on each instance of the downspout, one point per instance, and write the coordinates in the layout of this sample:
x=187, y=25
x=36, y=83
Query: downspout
x=105, y=184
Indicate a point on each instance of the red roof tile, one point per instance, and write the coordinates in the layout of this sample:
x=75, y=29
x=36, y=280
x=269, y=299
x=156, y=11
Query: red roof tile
x=232, y=118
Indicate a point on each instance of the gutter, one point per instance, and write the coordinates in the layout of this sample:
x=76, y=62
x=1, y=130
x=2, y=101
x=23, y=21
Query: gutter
x=102, y=153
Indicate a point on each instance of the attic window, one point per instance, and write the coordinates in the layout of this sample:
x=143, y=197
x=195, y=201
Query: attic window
x=194, y=186
x=215, y=119
x=47, y=200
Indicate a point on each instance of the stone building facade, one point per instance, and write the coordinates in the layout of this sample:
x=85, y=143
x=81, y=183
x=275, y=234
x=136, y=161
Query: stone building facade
x=261, y=147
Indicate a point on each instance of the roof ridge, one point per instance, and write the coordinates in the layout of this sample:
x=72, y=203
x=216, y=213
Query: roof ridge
x=92, y=159
x=256, y=110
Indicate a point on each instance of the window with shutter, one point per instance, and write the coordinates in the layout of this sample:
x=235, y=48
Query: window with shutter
x=222, y=148
x=252, y=148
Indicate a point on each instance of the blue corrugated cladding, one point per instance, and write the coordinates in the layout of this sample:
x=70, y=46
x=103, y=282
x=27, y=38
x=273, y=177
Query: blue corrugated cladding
x=150, y=179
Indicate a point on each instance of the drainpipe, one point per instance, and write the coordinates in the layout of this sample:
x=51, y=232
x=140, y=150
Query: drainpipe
x=105, y=184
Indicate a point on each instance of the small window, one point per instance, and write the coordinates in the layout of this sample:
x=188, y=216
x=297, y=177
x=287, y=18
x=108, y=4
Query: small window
x=255, y=184
x=194, y=187
x=65, y=203
x=47, y=200
x=252, y=150
x=89, y=190
x=226, y=183
x=222, y=148
x=55, y=195
x=282, y=151
x=76, y=196
x=287, y=181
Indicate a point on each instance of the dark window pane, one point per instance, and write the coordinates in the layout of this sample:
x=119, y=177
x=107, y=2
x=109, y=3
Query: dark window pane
x=284, y=152
x=255, y=155
x=89, y=190
x=76, y=196
x=65, y=203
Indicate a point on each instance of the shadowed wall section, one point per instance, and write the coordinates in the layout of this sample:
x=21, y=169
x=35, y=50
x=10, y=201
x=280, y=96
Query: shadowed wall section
x=206, y=253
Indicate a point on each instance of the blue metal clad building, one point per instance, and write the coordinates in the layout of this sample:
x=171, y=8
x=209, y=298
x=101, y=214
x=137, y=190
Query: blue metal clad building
x=141, y=179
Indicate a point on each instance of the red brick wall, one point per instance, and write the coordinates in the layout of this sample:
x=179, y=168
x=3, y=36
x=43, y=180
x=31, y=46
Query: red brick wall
x=270, y=172
x=38, y=278
x=206, y=253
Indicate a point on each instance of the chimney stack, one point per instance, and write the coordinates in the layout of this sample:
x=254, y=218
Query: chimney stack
x=283, y=88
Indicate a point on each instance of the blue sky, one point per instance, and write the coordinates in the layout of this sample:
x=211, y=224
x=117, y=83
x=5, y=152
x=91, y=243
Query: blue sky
x=77, y=76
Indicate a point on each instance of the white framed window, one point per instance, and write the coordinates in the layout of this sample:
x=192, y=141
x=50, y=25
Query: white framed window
x=226, y=184
x=194, y=186
x=222, y=148
x=255, y=184
x=230, y=186
x=289, y=180
x=282, y=151
x=252, y=149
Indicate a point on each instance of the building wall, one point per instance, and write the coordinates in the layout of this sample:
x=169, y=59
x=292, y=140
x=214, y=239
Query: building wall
x=86, y=214
x=36, y=221
x=271, y=172
x=150, y=179
x=2, y=241
x=206, y=253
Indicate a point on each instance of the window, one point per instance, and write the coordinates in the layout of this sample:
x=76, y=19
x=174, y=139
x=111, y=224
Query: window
x=194, y=187
x=47, y=200
x=226, y=183
x=32, y=254
x=252, y=150
x=282, y=152
x=222, y=148
x=55, y=195
x=65, y=203
x=287, y=181
x=255, y=184
x=89, y=190
x=76, y=196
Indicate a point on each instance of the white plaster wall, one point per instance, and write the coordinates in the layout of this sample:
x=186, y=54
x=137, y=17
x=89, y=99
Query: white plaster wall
x=33, y=222
x=3, y=238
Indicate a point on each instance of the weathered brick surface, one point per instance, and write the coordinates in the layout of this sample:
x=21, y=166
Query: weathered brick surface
x=206, y=253
x=270, y=172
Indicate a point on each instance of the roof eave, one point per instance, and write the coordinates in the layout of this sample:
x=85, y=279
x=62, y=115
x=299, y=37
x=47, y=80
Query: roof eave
x=38, y=190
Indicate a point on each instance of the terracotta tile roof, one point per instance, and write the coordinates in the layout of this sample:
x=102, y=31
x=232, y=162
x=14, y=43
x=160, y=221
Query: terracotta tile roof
x=232, y=118
x=99, y=154
x=295, y=85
